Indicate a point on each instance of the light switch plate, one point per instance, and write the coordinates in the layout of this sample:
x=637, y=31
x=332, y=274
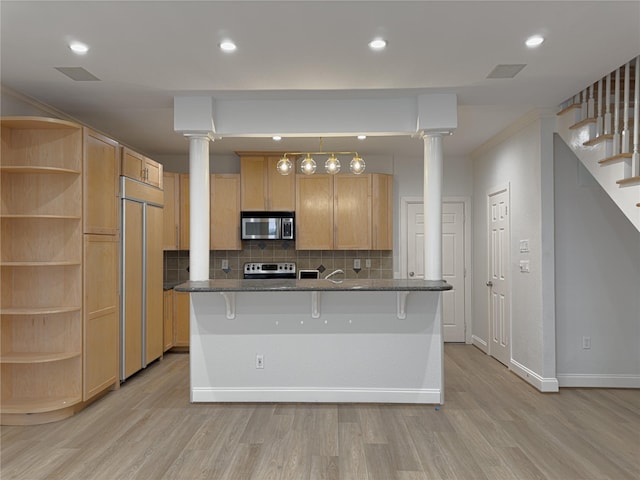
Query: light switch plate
x=524, y=246
x=524, y=266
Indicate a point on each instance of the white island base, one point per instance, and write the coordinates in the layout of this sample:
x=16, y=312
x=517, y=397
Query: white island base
x=381, y=346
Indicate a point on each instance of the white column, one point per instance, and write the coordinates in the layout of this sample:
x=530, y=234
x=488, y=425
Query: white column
x=432, y=206
x=199, y=207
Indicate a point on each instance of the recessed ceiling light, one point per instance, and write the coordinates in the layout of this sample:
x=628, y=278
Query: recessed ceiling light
x=277, y=138
x=377, y=44
x=78, y=48
x=534, y=41
x=362, y=137
x=227, y=46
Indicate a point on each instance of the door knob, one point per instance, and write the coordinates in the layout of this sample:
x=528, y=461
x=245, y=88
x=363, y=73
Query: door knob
x=489, y=283
x=411, y=274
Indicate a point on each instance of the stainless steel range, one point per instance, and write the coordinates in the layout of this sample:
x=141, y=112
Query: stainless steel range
x=270, y=270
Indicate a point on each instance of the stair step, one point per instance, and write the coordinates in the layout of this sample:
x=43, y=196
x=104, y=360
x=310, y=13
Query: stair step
x=598, y=140
x=628, y=181
x=568, y=109
x=582, y=123
x=615, y=158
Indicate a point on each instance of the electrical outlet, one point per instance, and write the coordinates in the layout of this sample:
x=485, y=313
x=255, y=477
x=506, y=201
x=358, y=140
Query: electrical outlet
x=367, y=263
x=356, y=263
x=259, y=361
x=586, y=343
x=225, y=264
x=524, y=266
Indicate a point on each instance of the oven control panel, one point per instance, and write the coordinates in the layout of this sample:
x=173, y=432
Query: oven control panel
x=270, y=270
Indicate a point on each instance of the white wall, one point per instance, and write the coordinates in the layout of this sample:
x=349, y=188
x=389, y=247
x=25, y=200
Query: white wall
x=516, y=159
x=597, y=281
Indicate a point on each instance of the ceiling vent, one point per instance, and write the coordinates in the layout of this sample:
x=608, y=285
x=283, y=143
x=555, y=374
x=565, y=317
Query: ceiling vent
x=78, y=74
x=506, y=71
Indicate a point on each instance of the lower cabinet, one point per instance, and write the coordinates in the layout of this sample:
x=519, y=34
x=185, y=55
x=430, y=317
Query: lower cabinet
x=101, y=316
x=167, y=319
x=176, y=320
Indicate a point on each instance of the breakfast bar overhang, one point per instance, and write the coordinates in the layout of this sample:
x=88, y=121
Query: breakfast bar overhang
x=316, y=341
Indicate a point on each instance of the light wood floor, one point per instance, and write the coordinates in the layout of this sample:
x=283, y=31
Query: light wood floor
x=493, y=426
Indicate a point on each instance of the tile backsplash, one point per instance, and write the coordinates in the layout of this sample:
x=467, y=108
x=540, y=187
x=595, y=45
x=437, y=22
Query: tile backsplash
x=176, y=263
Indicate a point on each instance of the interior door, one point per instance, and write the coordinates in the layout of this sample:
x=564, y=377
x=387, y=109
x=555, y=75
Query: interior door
x=453, y=306
x=499, y=282
x=453, y=301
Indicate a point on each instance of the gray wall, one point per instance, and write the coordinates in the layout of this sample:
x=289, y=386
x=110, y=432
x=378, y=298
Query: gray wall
x=597, y=280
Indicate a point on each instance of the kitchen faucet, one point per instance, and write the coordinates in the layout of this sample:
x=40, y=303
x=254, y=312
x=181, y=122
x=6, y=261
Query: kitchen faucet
x=335, y=272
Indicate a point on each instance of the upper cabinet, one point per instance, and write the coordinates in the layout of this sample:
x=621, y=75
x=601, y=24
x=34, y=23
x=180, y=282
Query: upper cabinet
x=171, y=212
x=225, y=212
x=344, y=212
x=262, y=187
x=100, y=189
x=141, y=168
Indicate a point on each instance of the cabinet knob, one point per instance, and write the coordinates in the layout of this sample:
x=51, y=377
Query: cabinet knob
x=489, y=283
x=411, y=274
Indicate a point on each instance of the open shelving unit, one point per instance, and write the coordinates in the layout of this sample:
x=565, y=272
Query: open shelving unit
x=41, y=269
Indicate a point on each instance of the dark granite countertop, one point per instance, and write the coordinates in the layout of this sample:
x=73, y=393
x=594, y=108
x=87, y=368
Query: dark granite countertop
x=170, y=285
x=310, y=285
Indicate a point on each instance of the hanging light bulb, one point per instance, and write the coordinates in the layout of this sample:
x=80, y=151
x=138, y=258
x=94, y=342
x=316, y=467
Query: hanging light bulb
x=308, y=165
x=284, y=166
x=332, y=165
x=357, y=165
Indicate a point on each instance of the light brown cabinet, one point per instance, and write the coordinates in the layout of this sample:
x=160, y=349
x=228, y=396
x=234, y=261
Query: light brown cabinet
x=344, y=212
x=141, y=168
x=181, y=314
x=167, y=317
x=262, y=187
x=59, y=345
x=314, y=212
x=171, y=212
x=225, y=212
x=101, y=172
x=100, y=339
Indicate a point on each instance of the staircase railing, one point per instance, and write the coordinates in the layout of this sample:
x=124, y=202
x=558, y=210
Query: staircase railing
x=601, y=125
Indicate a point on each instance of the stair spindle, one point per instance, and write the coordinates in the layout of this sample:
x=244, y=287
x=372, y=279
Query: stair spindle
x=599, y=120
x=635, y=158
x=625, y=114
x=583, y=108
x=591, y=111
x=607, y=107
x=616, y=115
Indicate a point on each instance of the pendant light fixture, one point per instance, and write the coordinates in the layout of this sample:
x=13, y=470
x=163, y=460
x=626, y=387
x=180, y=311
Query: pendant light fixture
x=308, y=164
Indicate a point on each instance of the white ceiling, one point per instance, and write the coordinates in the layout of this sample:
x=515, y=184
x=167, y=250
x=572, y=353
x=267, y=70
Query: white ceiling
x=146, y=52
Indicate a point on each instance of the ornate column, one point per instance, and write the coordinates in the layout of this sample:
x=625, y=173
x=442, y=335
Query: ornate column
x=199, y=206
x=432, y=193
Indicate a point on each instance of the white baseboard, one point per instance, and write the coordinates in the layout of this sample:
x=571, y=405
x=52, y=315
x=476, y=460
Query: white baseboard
x=317, y=395
x=480, y=343
x=541, y=383
x=598, y=380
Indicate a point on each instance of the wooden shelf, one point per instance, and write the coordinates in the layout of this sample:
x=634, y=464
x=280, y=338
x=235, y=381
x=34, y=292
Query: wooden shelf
x=568, y=109
x=36, y=169
x=30, y=357
x=20, y=405
x=40, y=311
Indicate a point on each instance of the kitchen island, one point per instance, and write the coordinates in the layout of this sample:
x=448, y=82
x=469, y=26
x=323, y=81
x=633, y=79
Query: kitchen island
x=316, y=341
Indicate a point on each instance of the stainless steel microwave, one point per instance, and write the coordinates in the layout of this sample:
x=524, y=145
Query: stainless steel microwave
x=267, y=225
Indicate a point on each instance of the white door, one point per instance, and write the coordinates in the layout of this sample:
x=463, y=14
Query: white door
x=499, y=282
x=453, y=305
